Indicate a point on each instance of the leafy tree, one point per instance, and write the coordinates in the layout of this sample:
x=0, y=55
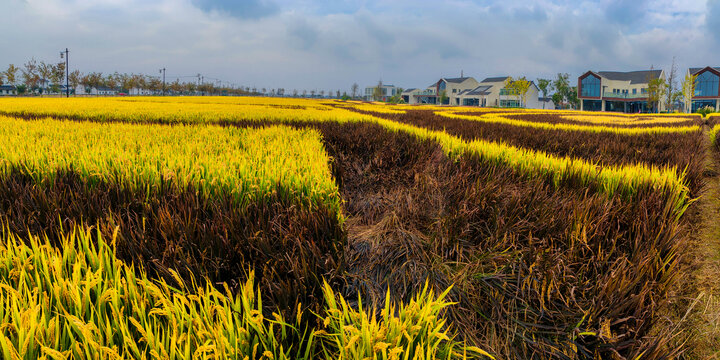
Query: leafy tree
x=521, y=87
x=656, y=92
x=397, y=98
x=11, y=74
x=688, y=90
x=57, y=74
x=74, y=80
x=563, y=91
x=444, y=97
x=45, y=71
x=545, y=86
x=573, y=98
x=21, y=89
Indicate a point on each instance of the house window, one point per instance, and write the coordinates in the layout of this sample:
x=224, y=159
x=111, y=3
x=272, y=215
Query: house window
x=454, y=91
x=707, y=84
x=509, y=103
x=505, y=91
x=590, y=86
x=643, y=91
x=634, y=91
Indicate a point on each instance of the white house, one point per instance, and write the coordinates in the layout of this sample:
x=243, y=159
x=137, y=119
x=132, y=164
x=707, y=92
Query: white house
x=492, y=92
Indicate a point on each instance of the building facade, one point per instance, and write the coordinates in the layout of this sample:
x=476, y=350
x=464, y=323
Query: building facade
x=707, y=88
x=616, y=91
x=7, y=90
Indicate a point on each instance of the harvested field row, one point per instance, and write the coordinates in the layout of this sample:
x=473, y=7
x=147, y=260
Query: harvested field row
x=414, y=215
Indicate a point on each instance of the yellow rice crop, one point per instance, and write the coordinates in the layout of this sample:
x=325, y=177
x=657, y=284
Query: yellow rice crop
x=81, y=302
x=219, y=161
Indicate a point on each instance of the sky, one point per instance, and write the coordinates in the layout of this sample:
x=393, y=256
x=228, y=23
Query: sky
x=331, y=44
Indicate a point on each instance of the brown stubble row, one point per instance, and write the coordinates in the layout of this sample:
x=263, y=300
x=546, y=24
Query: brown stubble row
x=539, y=271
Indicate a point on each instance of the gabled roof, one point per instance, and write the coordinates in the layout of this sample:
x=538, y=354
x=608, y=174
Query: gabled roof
x=480, y=90
x=635, y=77
x=495, y=79
x=456, y=80
x=694, y=71
x=409, y=90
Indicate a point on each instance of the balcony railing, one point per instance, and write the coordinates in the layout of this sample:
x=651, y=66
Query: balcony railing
x=624, y=95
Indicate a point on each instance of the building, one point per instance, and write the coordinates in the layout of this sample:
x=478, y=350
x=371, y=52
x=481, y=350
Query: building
x=445, y=91
x=387, y=92
x=707, y=88
x=492, y=92
x=7, y=90
x=616, y=91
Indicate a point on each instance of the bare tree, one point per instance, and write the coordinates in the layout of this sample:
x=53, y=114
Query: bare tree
x=378, y=91
x=30, y=74
x=354, y=90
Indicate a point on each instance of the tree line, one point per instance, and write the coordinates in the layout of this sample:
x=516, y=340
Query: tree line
x=38, y=77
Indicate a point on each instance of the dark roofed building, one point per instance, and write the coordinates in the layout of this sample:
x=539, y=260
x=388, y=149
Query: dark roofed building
x=616, y=90
x=707, y=88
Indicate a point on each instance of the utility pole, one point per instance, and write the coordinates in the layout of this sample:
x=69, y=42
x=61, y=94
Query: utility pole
x=66, y=54
x=162, y=71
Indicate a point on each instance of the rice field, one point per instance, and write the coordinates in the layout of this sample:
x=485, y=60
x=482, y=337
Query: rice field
x=267, y=228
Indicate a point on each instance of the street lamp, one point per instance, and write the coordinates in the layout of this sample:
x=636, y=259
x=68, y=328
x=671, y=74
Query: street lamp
x=66, y=54
x=162, y=71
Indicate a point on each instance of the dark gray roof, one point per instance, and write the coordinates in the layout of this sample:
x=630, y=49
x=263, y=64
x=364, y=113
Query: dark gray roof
x=409, y=90
x=545, y=99
x=480, y=90
x=695, y=70
x=7, y=87
x=495, y=79
x=635, y=77
x=457, y=80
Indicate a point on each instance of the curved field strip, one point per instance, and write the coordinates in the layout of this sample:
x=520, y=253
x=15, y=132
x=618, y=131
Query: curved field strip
x=571, y=127
x=243, y=164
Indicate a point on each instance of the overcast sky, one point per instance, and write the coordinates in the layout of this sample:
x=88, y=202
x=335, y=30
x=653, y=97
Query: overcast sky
x=329, y=44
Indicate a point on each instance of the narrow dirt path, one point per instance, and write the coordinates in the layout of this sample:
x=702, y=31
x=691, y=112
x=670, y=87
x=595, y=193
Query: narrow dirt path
x=703, y=319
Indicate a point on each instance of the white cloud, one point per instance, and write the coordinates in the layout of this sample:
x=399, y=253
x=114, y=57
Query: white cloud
x=331, y=44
